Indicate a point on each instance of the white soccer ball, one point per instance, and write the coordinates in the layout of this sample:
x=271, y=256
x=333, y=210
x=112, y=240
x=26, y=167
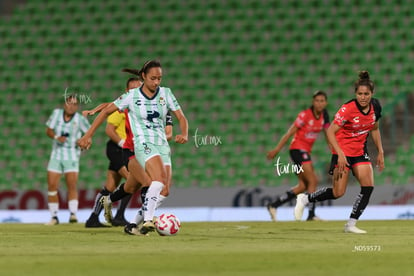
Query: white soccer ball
x=167, y=224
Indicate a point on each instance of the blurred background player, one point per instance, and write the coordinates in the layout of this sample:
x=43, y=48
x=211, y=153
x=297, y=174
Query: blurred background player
x=118, y=161
x=348, y=136
x=65, y=126
x=305, y=130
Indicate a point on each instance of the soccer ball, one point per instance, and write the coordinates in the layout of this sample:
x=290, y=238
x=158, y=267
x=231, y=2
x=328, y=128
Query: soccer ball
x=167, y=225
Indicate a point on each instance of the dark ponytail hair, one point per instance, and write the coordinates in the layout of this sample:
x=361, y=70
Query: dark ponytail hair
x=133, y=72
x=145, y=68
x=364, y=80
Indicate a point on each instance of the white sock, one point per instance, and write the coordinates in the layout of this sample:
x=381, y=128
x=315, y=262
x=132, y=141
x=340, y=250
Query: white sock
x=73, y=206
x=53, y=209
x=139, y=217
x=305, y=200
x=161, y=199
x=351, y=222
x=151, y=200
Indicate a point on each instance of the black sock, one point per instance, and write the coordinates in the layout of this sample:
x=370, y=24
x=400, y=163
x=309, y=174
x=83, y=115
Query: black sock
x=311, y=207
x=97, y=207
x=289, y=195
x=361, y=202
x=119, y=193
x=122, y=206
x=321, y=195
x=144, y=191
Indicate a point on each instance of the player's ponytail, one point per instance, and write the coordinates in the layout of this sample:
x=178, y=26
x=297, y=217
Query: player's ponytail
x=364, y=80
x=145, y=68
x=134, y=72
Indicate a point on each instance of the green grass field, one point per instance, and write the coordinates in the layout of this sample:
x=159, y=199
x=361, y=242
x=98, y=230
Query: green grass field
x=227, y=248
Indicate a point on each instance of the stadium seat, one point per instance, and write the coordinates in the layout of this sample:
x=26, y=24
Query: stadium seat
x=242, y=70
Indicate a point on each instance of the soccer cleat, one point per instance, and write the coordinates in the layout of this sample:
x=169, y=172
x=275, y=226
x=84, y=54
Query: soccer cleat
x=300, y=206
x=53, y=221
x=353, y=229
x=147, y=227
x=272, y=211
x=107, y=208
x=93, y=222
x=73, y=218
x=314, y=218
x=132, y=229
x=119, y=221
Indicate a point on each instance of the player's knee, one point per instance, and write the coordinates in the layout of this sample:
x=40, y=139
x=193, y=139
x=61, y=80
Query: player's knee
x=165, y=191
x=337, y=193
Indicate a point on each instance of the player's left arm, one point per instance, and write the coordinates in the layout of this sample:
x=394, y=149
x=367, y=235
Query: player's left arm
x=376, y=137
x=182, y=120
x=169, y=132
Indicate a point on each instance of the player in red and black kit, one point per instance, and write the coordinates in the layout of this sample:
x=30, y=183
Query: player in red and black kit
x=305, y=129
x=348, y=136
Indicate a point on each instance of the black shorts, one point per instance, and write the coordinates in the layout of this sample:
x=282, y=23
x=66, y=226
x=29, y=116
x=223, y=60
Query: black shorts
x=126, y=156
x=352, y=161
x=117, y=156
x=299, y=157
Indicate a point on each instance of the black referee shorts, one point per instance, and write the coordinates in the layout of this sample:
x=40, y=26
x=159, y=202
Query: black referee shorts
x=117, y=156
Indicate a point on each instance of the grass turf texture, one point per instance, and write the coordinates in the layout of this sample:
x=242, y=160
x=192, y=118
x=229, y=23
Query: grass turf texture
x=225, y=248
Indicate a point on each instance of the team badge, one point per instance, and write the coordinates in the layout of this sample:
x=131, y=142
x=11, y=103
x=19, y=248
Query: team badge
x=147, y=150
x=162, y=101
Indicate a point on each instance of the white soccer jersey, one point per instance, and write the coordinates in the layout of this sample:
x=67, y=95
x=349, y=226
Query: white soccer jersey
x=72, y=129
x=147, y=115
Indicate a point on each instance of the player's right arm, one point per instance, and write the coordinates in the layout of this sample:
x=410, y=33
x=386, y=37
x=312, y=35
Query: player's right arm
x=290, y=132
x=120, y=104
x=342, y=162
x=97, y=109
x=85, y=141
x=51, y=124
x=51, y=133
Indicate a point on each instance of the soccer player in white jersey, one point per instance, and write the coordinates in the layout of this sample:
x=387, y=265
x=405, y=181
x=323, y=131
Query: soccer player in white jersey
x=65, y=126
x=147, y=109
